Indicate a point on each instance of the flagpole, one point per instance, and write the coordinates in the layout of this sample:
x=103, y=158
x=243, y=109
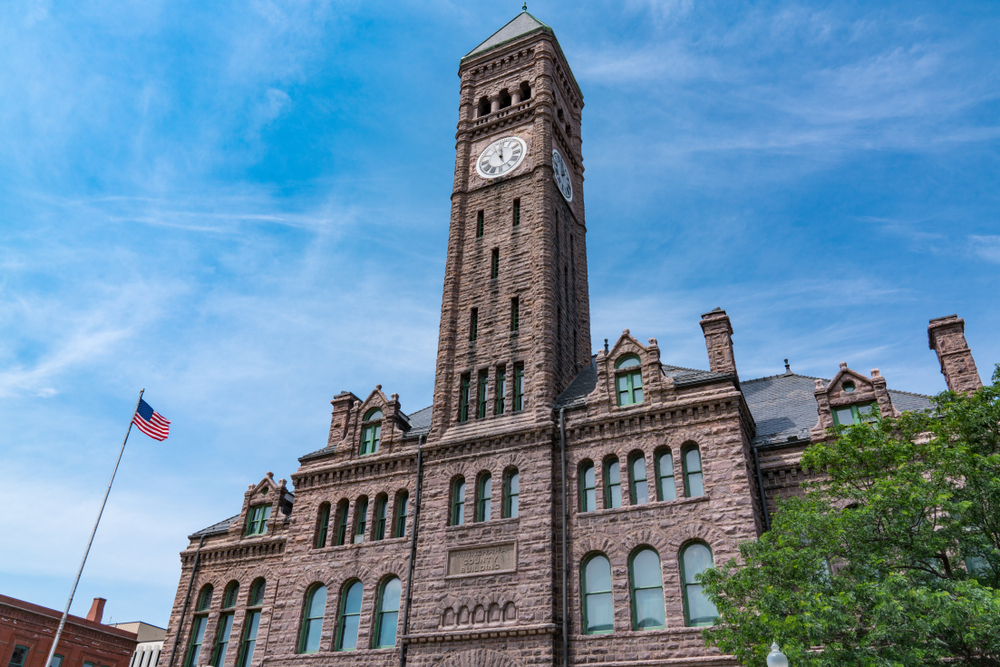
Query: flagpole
x=62, y=621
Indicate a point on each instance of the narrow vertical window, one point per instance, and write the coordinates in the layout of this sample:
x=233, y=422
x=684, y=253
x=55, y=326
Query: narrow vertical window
x=612, y=483
x=495, y=263
x=518, y=387
x=638, y=488
x=225, y=625
x=598, y=607
x=588, y=488
x=458, y=502
x=517, y=212
x=57, y=661
x=698, y=609
x=484, y=492
x=18, y=657
x=647, y=591
x=322, y=525
x=251, y=623
x=350, y=616
x=402, y=509
x=361, y=520
x=630, y=381
x=342, y=523
x=198, y=625
x=501, y=392
x=515, y=314
x=665, y=489
x=693, y=483
x=388, y=614
x=463, y=400
x=474, y=324
x=371, y=434
x=511, y=494
x=481, y=386
x=312, y=623
x=381, y=514
x=480, y=220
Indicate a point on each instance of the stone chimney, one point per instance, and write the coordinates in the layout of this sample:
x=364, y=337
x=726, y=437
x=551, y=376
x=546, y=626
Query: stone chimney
x=96, y=612
x=342, y=404
x=719, y=341
x=946, y=336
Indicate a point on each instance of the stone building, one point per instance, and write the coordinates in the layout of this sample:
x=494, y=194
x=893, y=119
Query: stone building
x=552, y=506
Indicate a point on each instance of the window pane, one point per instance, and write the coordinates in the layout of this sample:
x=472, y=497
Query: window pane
x=640, y=490
x=665, y=471
x=701, y=611
x=352, y=605
x=599, y=605
x=695, y=486
x=627, y=362
x=844, y=416
x=18, y=656
x=693, y=460
x=318, y=605
x=389, y=613
x=646, y=570
x=56, y=661
x=649, y=611
x=600, y=613
x=867, y=412
x=350, y=633
x=614, y=483
x=251, y=638
x=638, y=395
x=697, y=559
x=598, y=574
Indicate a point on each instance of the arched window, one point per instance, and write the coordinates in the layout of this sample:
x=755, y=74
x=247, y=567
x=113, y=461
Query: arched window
x=693, y=484
x=484, y=491
x=484, y=106
x=698, y=609
x=612, y=483
x=360, y=520
x=588, y=490
x=525, y=91
x=402, y=508
x=350, y=616
x=251, y=623
x=629, y=380
x=312, y=622
x=504, y=98
x=381, y=515
x=225, y=624
x=341, y=537
x=647, y=591
x=458, y=502
x=198, y=624
x=205, y=598
x=638, y=488
x=511, y=493
x=371, y=433
x=598, y=607
x=388, y=614
x=665, y=488
x=322, y=525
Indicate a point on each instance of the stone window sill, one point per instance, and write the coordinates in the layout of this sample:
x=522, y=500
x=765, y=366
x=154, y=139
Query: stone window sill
x=482, y=524
x=649, y=505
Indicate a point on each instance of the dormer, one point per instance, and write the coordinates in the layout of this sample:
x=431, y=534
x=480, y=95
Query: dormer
x=629, y=374
x=376, y=425
x=267, y=507
x=850, y=398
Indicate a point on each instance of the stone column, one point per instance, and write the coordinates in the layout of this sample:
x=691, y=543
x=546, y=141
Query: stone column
x=946, y=336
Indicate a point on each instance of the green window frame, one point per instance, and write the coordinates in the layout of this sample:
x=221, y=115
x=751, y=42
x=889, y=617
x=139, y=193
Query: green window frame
x=588, y=487
x=518, y=387
x=646, y=582
x=480, y=223
x=598, y=602
x=257, y=592
x=257, y=519
x=402, y=508
x=342, y=510
x=57, y=660
x=501, y=392
x=371, y=434
x=251, y=622
x=495, y=264
x=696, y=557
x=629, y=382
x=612, y=483
x=517, y=211
x=387, y=618
x=515, y=314
x=458, y=502
x=638, y=487
x=481, y=394
x=360, y=520
x=511, y=494
x=666, y=488
x=197, y=639
x=474, y=324
x=19, y=656
x=463, y=400
x=204, y=598
x=859, y=413
x=381, y=515
x=694, y=482
x=484, y=492
x=225, y=627
x=323, y=525
x=230, y=595
x=350, y=616
x=312, y=619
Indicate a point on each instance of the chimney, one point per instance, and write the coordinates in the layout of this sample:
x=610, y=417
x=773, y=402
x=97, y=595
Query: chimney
x=96, y=612
x=946, y=336
x=719, y=341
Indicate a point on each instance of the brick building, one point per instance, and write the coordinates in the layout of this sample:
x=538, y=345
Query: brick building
x=552, y=506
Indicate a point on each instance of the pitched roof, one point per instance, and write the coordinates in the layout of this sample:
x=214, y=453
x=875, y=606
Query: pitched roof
x=215, y=529
x=522, y=24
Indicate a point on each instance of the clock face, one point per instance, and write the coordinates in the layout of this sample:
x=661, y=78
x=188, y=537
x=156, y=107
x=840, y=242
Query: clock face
x=501, y=157
x=561, y=175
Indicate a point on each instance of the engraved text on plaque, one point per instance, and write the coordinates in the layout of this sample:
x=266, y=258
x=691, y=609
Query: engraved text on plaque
x=483, y=560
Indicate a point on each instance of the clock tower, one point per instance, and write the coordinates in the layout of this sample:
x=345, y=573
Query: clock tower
x=515, y=314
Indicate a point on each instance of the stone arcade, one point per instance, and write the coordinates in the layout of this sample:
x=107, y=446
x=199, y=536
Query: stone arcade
x=552, y=507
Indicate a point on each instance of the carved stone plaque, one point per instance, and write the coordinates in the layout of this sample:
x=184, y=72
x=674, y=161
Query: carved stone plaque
x=482, y=560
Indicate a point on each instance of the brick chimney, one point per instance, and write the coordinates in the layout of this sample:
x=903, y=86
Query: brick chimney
x=719, y=341
x=946, y=336
x=96, y=612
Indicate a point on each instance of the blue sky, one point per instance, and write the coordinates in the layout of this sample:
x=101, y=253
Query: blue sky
x=243, y=208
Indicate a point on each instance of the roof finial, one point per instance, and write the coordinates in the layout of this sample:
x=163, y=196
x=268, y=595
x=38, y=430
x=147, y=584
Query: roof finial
x=605, y=346
x=788, y=369
x=524, y=7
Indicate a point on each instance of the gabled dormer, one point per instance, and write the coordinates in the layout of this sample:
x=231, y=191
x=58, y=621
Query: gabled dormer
x=267, y=506
x=850, y=398
x=377, y=424
x=629, y=375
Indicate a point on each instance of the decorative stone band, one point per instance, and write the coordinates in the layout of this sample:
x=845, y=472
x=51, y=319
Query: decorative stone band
x=482, y=633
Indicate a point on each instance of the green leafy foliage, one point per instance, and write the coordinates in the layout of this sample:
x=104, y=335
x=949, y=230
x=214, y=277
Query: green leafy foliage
x=892, y=559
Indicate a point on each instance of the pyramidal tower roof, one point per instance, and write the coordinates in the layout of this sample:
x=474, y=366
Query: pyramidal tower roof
x=522, y=24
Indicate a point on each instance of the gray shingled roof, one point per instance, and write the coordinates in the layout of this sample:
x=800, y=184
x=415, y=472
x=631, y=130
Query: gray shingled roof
x=419, y=421
x=215, y=528
x=522, y=24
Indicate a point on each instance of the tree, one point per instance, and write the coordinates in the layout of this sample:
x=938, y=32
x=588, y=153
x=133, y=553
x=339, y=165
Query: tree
x=892, y=559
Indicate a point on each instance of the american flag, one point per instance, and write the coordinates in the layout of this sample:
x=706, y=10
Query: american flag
x=150, y=422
